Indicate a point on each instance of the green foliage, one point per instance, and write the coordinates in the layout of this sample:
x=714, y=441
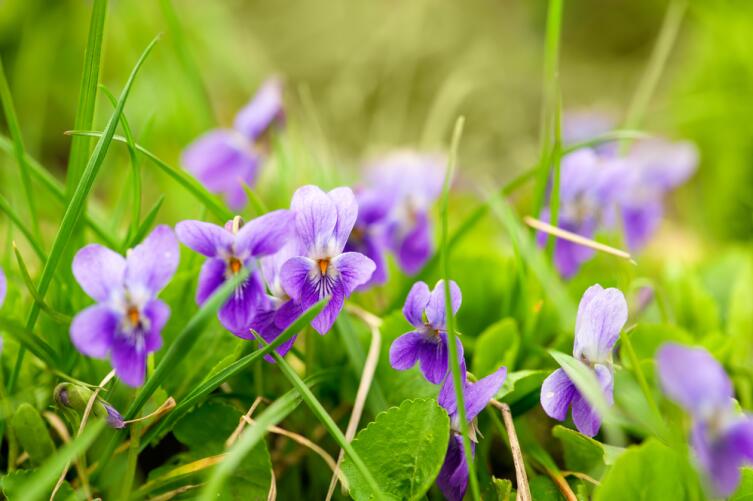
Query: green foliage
x=497, y=346
x=584, y=454
x=403, y=461
x=32, y=434
x=745, y=491
x=649, y=471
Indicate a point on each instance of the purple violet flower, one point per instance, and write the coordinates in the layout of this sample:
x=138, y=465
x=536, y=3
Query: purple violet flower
x=407, y=183
x=651, y=170
x=367, y=236
x=323, y=222
x=276, y=310
x=225, y=159
x=721, y=437
x=126, y=322
x=601, y=315
x=427, y=344
x=583, y=125
x=228, y=251
x=453, y=477
x=3, y=286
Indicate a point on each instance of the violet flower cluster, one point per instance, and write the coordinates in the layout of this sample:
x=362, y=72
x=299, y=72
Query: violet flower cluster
x=125, y=323
x=601, y=189
x=601, y=315
x=223, y=160
x=427, y=345
x=394, y=204
x=721, y=437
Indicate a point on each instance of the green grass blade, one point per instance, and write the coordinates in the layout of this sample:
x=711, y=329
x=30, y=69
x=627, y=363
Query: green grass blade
x=550, y=92
x=214, y=381
x=145, y=225
x=39, y=484
x=555, y=157
x=257, y=204
x=183, y=178
x=76, y=206
x=276, y=412
x=18, y=149
x=29, y=341
x=326, y=420
x=135, y=168
x=19, y=224
x=190, y=68
x=54, y=315
x=56, y=189
x=87, y=96
x=457, y=376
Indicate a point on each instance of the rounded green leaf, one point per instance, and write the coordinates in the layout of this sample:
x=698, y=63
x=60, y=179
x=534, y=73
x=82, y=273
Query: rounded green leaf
x=403, y=448
x=32, y=433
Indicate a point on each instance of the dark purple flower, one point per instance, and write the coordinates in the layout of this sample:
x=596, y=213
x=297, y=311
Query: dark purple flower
x=126, y=322
x=367, y=236
x=407, y=183
x=427, y=344
x=228, y=251
x=601, y=315
x=226, y=159
x=721, y=437
x=453, y=477
x=323, y=222
x=276, y=310
x=651, y=169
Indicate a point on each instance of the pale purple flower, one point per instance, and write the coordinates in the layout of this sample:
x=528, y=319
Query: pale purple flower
x=226, y=159
x=230, y=249
x=721, y=437
x=323, y=222
x=427, y=344
x=3, y=286
x=587, y=185
x=601, y=315
x=651, y=169
x=407, y=184
x=276, y=310
x=453, y=477
x=582, y=125
x=126, y=322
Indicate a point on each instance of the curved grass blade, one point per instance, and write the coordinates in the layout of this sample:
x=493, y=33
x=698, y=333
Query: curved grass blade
x=54, y=315
x=326, y=420
x=56, y=189
x=452, y=348
x=18, y=149
x=87, y=96
x=145, y=225
x=39, y=484
x=29, y=341
x=276, y=412
x=19, y=224
x=183, y=178
x=215, y=380
x=76, y=206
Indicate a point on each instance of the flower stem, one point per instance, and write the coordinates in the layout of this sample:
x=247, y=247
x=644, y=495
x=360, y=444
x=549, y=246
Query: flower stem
x=451, y=336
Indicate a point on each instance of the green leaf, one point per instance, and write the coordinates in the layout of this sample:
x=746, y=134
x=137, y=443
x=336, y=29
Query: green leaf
x=502, y=489
x=32, y=434
x=192, y=429
x=13, y=483
x=646, y=338
x=519, y=384
x=404, y=448
x=648, y=472
x=496, y=346
x=744, y=491
x=584, y=454
x=543, y=488
x=30, y=341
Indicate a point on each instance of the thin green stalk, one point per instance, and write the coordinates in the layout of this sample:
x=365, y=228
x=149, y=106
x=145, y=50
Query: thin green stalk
x=550, y=91
x=647, y=85
x=24, y=229
x=87, y=96
x=76, y=207
x=133, y=456
x=627, y=345
x=457, y=377
x=556, y=156
x=18, y=149
x=190, y=68
x=326, y=420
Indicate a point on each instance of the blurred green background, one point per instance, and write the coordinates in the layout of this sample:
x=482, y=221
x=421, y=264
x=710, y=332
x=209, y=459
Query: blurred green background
x=364, y=77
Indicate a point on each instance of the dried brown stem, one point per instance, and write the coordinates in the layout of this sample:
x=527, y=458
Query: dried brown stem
x=524, y=492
